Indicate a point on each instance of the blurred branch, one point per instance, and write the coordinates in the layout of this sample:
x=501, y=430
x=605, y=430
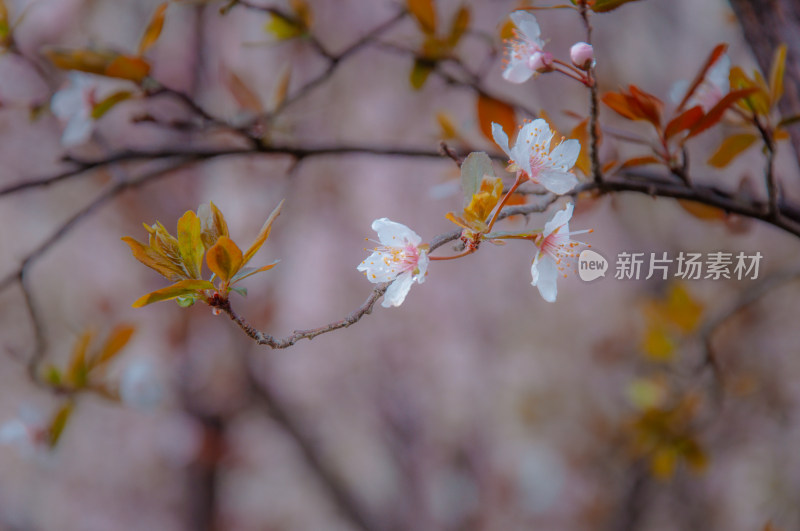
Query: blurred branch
x=339, y=493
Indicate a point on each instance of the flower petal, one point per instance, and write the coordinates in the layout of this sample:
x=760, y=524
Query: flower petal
x=558, y=182
x=422, y=265
x=377, y=269
x=78, y=130
x=545, y=274
x=394, y=234
x=565, y=155
x=396, y=293
x=526, y=22
x=559, y=219
x=501, y=138
x=517, y=70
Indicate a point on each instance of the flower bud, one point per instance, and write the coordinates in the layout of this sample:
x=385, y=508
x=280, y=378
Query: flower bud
x=541, y=62
x=582, y=55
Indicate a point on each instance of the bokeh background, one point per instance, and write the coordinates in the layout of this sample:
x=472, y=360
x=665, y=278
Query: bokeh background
x=475, y=405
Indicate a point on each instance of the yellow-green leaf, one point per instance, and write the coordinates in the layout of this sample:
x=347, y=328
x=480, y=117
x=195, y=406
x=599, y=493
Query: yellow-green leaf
x=5, y=27
x=224, y=259
x=420, y=72
x=250, y=271
x=263, y=234
x=153, y=31
x=190, y=243
x=604, y=6
x=776, y=74
x=58, y=423
x=474, y=168
x=179, y=289
x=492, y=110
x=108, y=103
x=77, y=370
x=116, y=341
x=282, y=28
x=730, y=148
x=424, y=12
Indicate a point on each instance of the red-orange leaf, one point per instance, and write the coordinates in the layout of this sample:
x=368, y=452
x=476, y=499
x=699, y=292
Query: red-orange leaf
x=128, y=67
x=640, y=161
x=682, y=122
x=713, y=57
x=715, y=114
x=491, y=110
x=424, y=12
x=650, y=105
x=620, y=104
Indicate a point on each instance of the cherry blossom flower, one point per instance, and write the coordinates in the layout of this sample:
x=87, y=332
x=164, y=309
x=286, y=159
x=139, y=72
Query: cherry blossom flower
x=28, y=432
x=713, y=88
x=399, y=259
x=557, y=251
x=525, y=55
x=531, y=156
x=73, y=104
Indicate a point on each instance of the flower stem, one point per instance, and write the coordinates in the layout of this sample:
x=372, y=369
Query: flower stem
x=503, y=201
x=459, y=255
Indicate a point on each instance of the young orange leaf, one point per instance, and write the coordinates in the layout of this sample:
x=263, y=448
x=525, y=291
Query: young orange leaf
x=621, y=104
x=281, y=89
x=581, y=133
x=776, y=74
x=424, y=12
x=604, y=6
x=263, y=234
x=303, y=12
x=213, y=224
x=491, y=110
x=459, y=26
x=713, y=57
x=702, y=211
x=128, y=67
x=448, y=128
x=154, y=260
x=224, y=259
x=116, y=341
x=153, y=31
x=682, y=122
x=92, y=61
x=730, y=148
x=179, y=289
x=650, y=105
x=244, y=95
x=5, y=26
x=190, y=243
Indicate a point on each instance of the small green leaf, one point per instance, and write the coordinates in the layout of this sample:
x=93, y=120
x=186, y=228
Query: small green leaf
x=102, y=107
x=186, y=301
x=190, y=243
x=475, y=166
x=604, y=6
x=58, y=423
x=282, y=28
x=420, y=72
x=241, y=291
x=179, y=289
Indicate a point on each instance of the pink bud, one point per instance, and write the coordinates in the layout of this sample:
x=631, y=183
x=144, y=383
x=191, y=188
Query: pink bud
x=582, y=55
x=541, y=62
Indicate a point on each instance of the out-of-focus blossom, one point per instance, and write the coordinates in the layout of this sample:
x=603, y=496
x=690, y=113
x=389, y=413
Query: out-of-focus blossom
x=399, y=259
x=142, y=384
x=556, y=251
x=525, y=53
x=713, y=88
x=532, y=157
x=582, y=55
x=27, y=432
x=73, y=105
